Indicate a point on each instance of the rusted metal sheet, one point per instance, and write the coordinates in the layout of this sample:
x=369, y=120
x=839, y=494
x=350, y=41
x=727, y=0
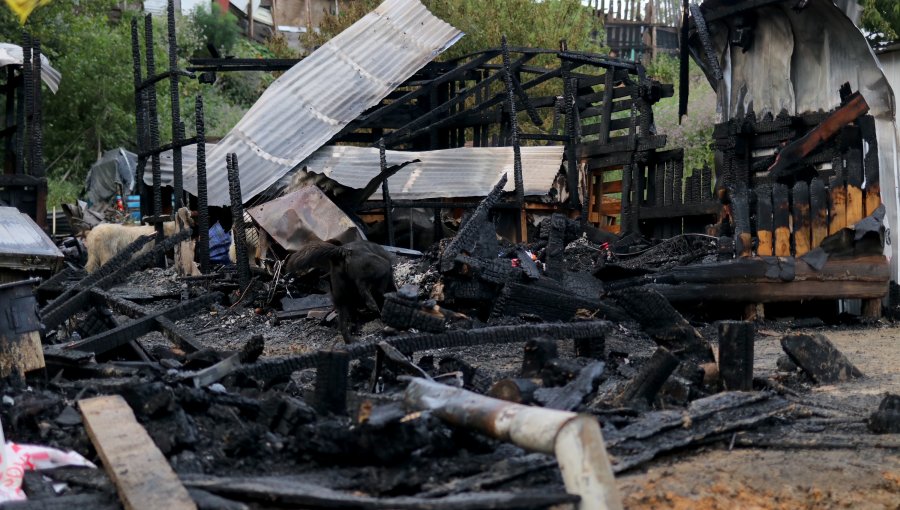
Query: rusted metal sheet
x=23, y=245
x=462, y=172
x=324, y=92
x=290, y=219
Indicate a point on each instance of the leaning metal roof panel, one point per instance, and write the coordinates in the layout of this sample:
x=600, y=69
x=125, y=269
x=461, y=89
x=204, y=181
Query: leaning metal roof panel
x=310, y=103
x=463, y=172
x=23, y=243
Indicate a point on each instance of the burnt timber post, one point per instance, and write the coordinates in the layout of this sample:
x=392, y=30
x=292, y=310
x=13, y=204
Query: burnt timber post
x=202, y=195
x=237, y=216
x=177, y=126
x=514, y=135
x=736, y=355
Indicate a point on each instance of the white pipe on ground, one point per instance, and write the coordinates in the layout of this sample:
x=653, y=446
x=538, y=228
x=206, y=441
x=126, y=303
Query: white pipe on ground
x=575, y=439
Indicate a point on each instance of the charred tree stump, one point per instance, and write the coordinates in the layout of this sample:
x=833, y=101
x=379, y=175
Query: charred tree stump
x=736, y=355
x=538, y=352
x=332, y=371
x=647, y=383
x=819, y=358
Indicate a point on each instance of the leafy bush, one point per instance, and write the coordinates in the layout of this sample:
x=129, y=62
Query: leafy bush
x=219, y=29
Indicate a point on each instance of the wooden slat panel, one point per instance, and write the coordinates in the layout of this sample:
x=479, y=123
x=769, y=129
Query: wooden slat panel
x=143, y=477
x=781, y=219
x=818, y=212
x=800, y=212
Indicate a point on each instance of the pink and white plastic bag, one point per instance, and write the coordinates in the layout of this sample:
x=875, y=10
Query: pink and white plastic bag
x=15, y=459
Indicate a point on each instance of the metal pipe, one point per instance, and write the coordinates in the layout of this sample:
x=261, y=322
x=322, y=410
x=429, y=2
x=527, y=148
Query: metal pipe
x=575, y=439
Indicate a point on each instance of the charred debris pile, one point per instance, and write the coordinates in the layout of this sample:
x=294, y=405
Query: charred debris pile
x=460, y=393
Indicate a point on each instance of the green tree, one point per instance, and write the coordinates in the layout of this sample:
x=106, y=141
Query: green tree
x=881, y=19
x=524, y=22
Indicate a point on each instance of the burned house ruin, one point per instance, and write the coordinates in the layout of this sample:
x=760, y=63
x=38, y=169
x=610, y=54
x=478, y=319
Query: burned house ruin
x=556, y=294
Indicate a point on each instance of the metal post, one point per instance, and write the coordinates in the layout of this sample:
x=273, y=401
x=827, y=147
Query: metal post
x=139, y=113
x=37, y=140
x=154, y=134
x=514, y=134
x=177, y=127
x=386, y=194
x=202, y=207
x=28, y=78
x=237, y=216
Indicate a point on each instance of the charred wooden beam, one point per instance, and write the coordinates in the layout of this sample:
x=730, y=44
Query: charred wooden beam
x=556, y=245
x=517, y=391
x=332, y=371
x=793, y=153
x=573, y=394
x=269, y=370
x=127, y=332
x=801, y=217
x=856, y=207
x=468, y=235
x=646, y=384
x=185, y=341
x=837, y=199
x=819, y=358
x=764, y=224
x=81, y=298
x=544, y=298
x=402, y=310
x=237, y=216
x=870, y=164
x=740, y=205
x=736, y=355
x=818, y=212
x=781, y=220
x=538, y=352
x=661, y=321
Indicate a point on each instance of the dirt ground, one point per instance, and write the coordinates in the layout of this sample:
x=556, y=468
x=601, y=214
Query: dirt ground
x=863, y=478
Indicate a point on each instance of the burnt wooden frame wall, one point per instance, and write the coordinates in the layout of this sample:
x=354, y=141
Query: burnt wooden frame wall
x=23, y=183
x=608, y=118
x=837, y=184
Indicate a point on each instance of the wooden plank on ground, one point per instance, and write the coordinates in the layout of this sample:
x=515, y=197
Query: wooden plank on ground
x=143, y=477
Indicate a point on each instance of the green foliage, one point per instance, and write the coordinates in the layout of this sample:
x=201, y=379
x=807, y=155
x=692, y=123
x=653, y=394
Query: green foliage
x=664, y=68
x=694, y=133
x=524, y=22
x=217, y=28
x=61, y=192
x=881, y=19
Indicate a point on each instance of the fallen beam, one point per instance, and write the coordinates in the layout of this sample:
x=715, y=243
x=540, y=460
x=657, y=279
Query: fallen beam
x=282, y=492
x=819, y=358
x=127, y=332
x=268, y=370
x=575, y=439
x=143, y=477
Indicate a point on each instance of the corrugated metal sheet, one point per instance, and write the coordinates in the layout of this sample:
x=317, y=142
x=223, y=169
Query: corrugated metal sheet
x=155, y=7
x=315, y=99
x=463, y=172
x=167, y=167
x=12, y=54
x=23, y=245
